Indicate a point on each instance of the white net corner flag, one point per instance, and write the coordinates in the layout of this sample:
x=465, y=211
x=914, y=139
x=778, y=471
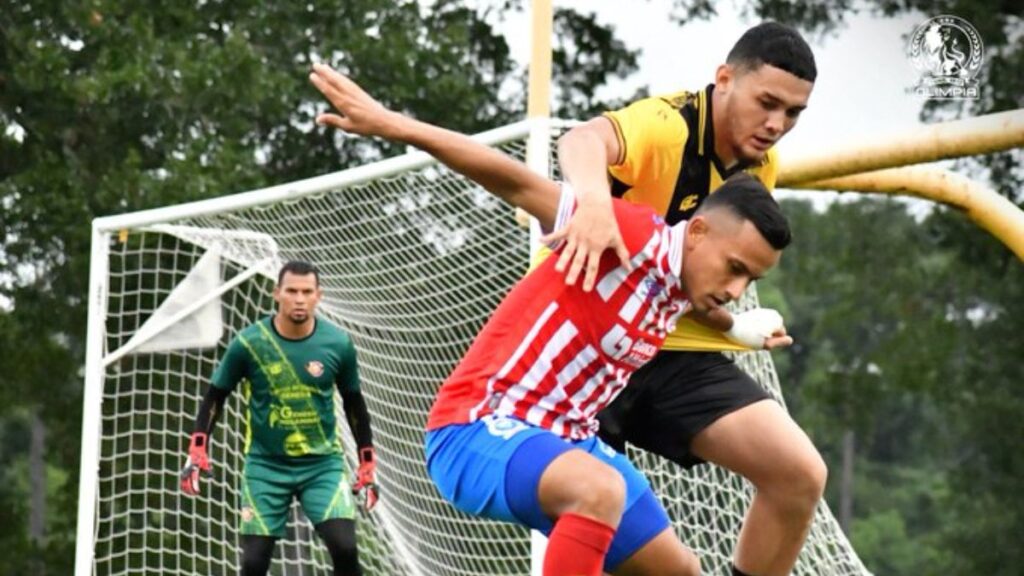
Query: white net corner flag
x=199, y=326
x=413, y=260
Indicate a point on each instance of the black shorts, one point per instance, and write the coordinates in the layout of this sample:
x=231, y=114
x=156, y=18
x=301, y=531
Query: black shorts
x=672, y=398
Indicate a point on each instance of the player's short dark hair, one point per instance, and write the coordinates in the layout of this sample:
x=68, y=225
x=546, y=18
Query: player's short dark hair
x=747, y=198
x=775, y=44
x=299, y=268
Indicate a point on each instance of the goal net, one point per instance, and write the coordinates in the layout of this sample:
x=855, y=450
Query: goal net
x=414, y=259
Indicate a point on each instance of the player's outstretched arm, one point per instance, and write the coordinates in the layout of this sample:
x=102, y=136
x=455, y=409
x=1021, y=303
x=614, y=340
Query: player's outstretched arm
x=504, y=177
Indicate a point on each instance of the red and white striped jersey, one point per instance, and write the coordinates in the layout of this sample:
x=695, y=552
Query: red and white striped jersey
x=554, y=355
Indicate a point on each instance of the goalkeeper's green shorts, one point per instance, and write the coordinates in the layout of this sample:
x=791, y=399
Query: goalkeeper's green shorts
x=269, y=484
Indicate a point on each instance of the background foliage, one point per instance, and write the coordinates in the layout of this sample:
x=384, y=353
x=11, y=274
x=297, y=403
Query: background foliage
x=908, y=327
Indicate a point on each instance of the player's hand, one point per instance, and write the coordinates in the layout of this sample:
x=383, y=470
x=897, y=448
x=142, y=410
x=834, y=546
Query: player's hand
x=591, y=230
x=366, y=477
x=760, y=329
x=198, y=463
x=358, y=112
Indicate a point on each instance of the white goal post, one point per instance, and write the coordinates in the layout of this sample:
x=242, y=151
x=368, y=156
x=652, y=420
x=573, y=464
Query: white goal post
x=414, y=258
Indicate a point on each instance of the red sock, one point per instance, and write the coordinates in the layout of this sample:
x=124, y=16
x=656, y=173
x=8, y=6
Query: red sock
x=577, y=546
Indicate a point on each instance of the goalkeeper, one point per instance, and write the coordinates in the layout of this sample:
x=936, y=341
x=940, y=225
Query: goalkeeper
x=290, y=363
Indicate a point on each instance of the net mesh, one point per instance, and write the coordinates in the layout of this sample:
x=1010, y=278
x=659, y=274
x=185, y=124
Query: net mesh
x=412, y=266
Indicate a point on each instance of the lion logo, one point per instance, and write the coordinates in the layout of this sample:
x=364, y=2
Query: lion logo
x=948, y=52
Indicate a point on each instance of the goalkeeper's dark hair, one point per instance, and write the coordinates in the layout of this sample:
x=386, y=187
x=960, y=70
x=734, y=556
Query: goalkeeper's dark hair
x=775, y=44
x=299, y=268
x=748, y=199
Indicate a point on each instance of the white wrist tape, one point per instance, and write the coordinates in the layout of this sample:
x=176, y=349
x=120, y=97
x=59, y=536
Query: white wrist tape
x=753, y=327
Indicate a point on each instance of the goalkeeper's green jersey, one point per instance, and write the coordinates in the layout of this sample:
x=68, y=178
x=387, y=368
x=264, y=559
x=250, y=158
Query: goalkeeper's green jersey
x=289, y=386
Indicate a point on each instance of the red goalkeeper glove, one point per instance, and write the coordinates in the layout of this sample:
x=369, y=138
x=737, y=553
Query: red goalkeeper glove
x=198, y=463
x=365, y=477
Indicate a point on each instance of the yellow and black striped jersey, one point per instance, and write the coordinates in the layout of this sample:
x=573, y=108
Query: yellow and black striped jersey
x=668, y=161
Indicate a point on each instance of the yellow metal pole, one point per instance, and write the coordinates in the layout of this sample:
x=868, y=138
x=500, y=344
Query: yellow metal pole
x=872, y=167
x=968, y=137
x=987, y=208
x=539, y=102
x=538, y=147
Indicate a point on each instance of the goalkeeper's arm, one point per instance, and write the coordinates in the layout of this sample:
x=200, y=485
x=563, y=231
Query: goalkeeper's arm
x=359, y=422
x=504, y=177
x=198, y=461
x=210, y=410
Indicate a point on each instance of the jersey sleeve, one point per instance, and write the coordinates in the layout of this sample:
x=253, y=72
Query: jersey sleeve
x=347, y=379
x=566, y=208
x=646, y=130
x=636, y=223
x=233, y=367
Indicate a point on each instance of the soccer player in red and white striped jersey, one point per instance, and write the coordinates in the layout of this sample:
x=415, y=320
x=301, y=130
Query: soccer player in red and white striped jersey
x=511, y=435
x=553, y=356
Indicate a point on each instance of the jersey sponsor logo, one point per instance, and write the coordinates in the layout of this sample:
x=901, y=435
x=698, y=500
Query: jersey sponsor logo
x=275, y=368
x=620, y=346
x=653, y=288
x=296, y=444
x=296, y=392
x=315, y=368
x=502, y=426
x=287, y=417
x=678, y=100
x=641, y=353
x=689, y=202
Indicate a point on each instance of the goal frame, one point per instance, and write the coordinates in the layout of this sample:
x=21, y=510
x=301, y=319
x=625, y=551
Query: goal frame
x=107, y=228
x=1004, y=129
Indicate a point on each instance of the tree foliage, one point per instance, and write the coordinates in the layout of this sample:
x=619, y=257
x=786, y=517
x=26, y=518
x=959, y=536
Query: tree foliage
x=908, y=329
x=121, y=105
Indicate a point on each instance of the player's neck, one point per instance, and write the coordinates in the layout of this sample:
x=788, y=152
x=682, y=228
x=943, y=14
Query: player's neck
x=718, y=123
x=292, y=331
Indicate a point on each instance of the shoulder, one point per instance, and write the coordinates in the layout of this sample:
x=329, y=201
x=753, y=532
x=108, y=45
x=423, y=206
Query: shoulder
x=252, y=330
x=634, y=219
x=662, y=111
x=332, y=331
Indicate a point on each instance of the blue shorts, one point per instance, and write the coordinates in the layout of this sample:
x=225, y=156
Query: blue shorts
x=492, y=467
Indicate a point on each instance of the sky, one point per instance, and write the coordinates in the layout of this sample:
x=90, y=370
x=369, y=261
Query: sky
x=863, y=70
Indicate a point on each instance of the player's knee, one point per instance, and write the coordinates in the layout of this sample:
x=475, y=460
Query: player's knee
x=600, y=494
x=801, y=487
x=257, y=552
x=687, y=564
x=810, y=478
x=340, y=538
x=690, y=565
x=344, y=554
x=255, y=565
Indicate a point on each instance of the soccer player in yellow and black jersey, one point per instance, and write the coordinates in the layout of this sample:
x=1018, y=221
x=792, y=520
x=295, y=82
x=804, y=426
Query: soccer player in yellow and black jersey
x=691, y=404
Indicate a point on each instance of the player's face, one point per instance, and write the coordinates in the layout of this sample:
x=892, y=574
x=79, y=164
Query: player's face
x=297, y=297
x=723, y=255
x=761, y=106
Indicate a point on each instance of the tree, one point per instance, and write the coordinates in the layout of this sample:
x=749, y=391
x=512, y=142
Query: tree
x=124, y=105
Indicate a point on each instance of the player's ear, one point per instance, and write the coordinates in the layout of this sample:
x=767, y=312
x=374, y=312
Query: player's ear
x=724, y=77
x=696, y=231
